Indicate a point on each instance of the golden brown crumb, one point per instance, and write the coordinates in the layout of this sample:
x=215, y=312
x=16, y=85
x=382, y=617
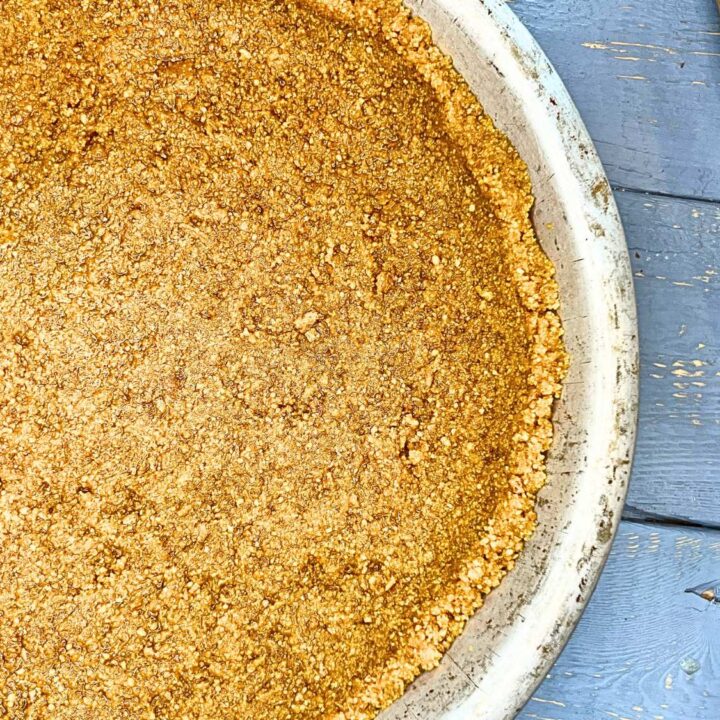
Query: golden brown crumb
x=279, y=352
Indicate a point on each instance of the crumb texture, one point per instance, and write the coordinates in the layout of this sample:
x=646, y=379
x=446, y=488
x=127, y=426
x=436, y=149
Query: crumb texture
x=277, y=362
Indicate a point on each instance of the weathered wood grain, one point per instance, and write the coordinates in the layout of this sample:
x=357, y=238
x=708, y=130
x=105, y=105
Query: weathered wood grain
x=645, y=75
x=675, y=251
x=625, y=660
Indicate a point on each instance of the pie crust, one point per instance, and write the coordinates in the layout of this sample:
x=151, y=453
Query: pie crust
x=279, y=356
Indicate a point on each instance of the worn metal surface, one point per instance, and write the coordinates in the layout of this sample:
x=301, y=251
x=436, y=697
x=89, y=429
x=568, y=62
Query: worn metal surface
x=511, y=642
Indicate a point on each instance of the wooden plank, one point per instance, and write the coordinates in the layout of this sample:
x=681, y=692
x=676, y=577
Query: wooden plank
x=645, y=75
x=625, y=660
x=675, y=251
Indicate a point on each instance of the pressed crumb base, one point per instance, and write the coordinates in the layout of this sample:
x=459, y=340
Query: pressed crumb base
x=279, y=352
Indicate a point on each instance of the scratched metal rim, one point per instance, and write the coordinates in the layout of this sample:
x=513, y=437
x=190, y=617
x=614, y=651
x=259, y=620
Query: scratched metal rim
x=511, y=643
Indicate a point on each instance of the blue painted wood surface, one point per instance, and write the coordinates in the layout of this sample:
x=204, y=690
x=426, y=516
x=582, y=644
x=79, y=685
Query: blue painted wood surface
x=645, y=75
x=645, y=649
